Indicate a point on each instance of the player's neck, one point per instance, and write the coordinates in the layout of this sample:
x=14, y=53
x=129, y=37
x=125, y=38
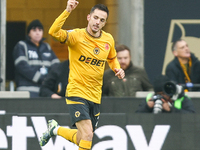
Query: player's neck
x=94, y=34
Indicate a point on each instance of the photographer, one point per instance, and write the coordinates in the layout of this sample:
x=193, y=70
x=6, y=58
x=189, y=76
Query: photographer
x=168, y=98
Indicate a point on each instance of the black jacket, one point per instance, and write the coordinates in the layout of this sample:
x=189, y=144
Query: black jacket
x=186, y=107
x=56, y=81
x=175, y=72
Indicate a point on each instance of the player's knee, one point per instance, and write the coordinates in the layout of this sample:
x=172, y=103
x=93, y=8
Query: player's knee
x=88, y=136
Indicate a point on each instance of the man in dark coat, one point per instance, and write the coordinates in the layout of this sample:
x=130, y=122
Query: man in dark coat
x=185, y=67
x=55, y=83
x=136, y=78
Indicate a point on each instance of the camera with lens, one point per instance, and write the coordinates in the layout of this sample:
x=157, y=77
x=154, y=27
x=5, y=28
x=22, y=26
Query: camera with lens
x=156, y=97
x=174, y=90
x=158, y=103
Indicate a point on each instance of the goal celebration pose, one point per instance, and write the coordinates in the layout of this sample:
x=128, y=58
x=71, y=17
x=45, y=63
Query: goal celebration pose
x=89, y=49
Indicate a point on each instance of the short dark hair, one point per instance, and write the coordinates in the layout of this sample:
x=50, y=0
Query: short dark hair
x=100, y=7
x=34, y=24
x=174, y=44
x=120, y=48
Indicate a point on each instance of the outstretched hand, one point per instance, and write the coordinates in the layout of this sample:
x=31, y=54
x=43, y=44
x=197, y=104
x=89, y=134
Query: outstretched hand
x=119, y=73
x=71, y=5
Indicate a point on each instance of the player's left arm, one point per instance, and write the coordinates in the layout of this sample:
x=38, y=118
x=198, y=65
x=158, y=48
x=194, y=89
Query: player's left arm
x=114, y=63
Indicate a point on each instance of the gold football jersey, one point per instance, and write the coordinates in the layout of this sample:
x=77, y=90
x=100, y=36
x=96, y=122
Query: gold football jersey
x=87, y=57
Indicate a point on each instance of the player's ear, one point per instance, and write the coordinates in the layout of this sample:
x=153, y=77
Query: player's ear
x=88, y=17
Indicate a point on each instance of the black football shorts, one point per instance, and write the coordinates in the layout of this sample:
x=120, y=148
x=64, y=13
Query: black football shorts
x=82, y=110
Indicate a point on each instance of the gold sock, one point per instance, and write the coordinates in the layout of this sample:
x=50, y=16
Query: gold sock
x=68, y=134
x=85, y=145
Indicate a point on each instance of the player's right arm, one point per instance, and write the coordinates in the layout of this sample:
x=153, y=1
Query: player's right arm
x=55, y=30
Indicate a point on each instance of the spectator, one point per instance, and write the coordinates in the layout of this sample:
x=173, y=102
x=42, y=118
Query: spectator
x=32, y=58
x=185, y=67
x=55, y=83
x=165, y=100
x=136, y=78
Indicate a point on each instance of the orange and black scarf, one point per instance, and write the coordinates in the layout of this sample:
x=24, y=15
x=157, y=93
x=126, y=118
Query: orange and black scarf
x=187, y=70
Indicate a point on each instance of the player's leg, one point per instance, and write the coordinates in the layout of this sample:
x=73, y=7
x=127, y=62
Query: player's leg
x=68, y=134
x=78, y=112
x=84, y=134
x=78, y=109
x=87, y=127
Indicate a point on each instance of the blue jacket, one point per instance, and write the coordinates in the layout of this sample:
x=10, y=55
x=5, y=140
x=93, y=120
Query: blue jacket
x=32, y=64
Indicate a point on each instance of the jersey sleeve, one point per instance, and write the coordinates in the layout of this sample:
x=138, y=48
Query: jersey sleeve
x=112, y=58
x=56, y=31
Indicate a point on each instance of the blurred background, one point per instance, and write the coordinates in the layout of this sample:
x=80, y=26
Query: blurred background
x=147, y=27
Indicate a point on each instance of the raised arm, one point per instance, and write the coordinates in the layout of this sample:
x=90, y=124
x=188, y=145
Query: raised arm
x=55, y=30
